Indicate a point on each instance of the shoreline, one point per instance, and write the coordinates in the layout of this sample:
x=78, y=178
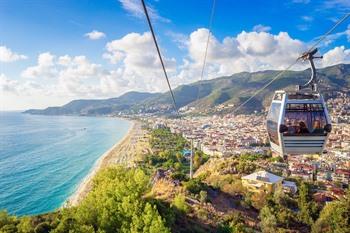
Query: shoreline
x=103, y=161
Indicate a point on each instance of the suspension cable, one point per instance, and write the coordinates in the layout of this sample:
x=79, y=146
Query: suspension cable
x=206, y=48
x=290, y=66
x=330, y=31
x=159, y=55
x=265, y=86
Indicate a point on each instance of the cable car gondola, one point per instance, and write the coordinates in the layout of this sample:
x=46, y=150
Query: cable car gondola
x=298, y=122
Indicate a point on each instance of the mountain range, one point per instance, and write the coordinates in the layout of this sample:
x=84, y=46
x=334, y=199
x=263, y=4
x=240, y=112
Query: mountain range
x=207, y=95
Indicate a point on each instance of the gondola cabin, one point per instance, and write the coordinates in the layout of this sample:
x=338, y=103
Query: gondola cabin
x=298, y=123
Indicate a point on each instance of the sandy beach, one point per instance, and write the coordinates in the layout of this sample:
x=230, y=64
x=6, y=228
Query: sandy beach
x=123, y=152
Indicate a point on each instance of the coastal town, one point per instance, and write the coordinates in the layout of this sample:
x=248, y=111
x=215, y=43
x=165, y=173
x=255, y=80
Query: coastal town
x=231, y=135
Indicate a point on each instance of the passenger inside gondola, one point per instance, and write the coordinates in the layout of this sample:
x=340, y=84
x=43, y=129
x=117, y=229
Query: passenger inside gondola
x=317, y=127
x=304, y=119
x=302, y=128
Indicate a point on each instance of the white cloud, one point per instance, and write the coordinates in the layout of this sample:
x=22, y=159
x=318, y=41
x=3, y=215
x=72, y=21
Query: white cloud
x=261, y=28
x=6, y=55
x=248, y=51
x=179, y=38
x=141, y=68
x=258, y=44
x=135, y=8
x=44, y=68
x=16, y=87
x=335, y=56
x=66, y=75
x=136, y=66
x=347, y=32
x=95, y=35
x=7, y=85
x=75, y=75
x=333, y=37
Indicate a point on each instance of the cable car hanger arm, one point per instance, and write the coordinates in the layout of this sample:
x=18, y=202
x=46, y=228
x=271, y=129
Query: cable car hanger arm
x=312, y=83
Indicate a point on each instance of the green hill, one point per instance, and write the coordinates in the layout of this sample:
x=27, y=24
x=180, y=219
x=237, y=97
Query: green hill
x=236, y=88
x=229, y=90
x=96, y=107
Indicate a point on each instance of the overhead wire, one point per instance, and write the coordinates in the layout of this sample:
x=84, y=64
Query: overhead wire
x=159, y=55
x=324, y=36
x=346, y=16
x=265, y=86
x=206, y=47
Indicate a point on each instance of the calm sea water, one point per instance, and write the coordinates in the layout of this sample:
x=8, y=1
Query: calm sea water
x=44, y=158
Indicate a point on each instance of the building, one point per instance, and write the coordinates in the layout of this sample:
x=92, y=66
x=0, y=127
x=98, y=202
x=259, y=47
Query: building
x=341, y=175
x=262, y=181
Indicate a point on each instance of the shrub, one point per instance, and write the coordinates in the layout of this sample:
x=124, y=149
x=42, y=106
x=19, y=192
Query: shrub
x=195, y=185
x=203, y=196
x=43, y=227
x=180, y=203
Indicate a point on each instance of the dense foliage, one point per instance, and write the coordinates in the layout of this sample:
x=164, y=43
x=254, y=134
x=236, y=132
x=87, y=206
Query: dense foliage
x=115, y=204
x=335, y=217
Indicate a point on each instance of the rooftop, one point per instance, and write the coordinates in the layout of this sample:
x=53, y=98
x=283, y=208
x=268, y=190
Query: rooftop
x=263, y=176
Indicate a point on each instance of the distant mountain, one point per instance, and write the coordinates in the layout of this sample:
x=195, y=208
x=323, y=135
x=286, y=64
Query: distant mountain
x=229, y=90
x=97, y=107
x=235, y=89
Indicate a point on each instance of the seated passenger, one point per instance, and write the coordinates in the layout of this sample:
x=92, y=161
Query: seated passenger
x=317, y=127
x=302, y=128
x=291, y=128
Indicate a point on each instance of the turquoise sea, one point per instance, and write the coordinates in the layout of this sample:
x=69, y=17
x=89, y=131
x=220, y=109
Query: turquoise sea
x=44, y=158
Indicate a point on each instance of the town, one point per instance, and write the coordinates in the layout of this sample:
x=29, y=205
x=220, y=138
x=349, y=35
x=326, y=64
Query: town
x=231, y=135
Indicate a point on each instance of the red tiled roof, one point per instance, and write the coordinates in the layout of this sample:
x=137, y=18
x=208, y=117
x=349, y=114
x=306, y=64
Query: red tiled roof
x=343, y=171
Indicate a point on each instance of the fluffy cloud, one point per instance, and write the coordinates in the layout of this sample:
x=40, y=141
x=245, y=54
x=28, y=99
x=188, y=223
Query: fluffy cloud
x=95, y=35
x=66, y=75
x=135, y=64
x=6, y=55
x=141, y=68
x=248, y=51
x=44, y=68
x=7, y=85
x=15, y=87
x=336, y=56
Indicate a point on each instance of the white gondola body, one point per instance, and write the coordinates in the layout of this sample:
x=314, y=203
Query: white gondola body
x=285, y=144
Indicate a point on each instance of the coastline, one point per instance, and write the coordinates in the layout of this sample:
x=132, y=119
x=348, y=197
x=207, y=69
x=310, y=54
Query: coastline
x=117, y=154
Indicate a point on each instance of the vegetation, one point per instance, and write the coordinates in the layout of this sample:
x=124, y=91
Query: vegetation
x=122, y=200
x=115, y=204
x=334, y=217
x=308, y=210
x=180, y=203
x=195, y=186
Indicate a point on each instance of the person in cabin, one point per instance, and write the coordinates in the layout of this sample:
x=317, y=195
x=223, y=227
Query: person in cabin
x=302, y=128
x=291, y=128
x=317, y=127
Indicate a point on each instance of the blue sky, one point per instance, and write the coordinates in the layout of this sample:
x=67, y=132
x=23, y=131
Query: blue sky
x=246, y=36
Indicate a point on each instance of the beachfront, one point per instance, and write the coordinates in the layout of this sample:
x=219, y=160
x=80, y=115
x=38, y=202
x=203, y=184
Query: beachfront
x=125, y=152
